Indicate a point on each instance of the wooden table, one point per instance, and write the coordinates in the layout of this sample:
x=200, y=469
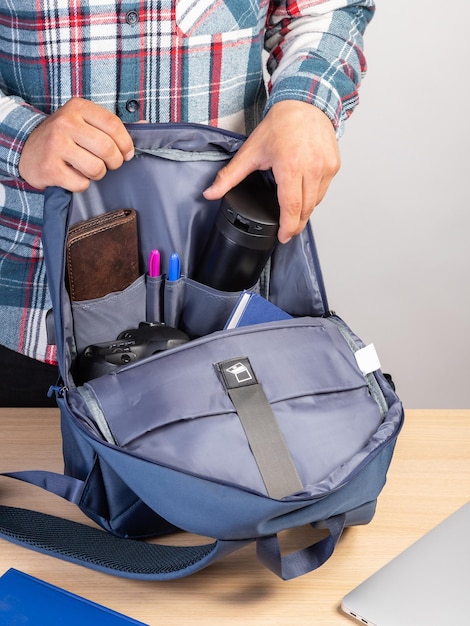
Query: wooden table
x=429, y=478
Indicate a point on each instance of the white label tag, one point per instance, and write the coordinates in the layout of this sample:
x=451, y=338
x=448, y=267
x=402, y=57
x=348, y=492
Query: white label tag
x=367, y=359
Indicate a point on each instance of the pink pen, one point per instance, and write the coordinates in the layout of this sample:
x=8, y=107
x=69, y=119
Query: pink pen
x=154, y=263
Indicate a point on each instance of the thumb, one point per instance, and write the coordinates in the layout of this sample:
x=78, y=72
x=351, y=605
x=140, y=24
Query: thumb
x=228, y=177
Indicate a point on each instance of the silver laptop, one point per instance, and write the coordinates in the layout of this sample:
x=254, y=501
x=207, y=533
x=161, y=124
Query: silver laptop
x=426, y=585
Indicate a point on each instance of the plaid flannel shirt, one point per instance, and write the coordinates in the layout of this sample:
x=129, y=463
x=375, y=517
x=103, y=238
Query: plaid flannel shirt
x=183, y=60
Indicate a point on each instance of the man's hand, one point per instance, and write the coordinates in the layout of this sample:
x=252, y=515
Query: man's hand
x=76, y=144
x=298, y=142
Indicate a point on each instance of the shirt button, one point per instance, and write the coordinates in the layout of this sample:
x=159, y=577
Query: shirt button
x=132, y=106
x=132, y=17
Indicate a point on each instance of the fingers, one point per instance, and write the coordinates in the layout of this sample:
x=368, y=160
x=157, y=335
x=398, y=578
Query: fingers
x=107, y=136
x=305, y=163
x=297, y=195
x=241, y=165
x=76, y=144
x=298, y=142
x=299, y=192
x=297, y=199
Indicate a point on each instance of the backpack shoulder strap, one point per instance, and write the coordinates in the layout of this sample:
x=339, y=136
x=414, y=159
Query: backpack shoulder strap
x=99, y=550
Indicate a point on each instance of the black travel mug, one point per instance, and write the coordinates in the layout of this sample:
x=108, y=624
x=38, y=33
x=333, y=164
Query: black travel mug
x=243, y=235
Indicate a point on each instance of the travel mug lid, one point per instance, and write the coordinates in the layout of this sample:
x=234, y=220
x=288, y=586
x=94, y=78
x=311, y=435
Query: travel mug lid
x=252, y=206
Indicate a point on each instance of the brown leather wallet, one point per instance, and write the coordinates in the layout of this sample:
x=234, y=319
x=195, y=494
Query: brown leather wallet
x=102, y=254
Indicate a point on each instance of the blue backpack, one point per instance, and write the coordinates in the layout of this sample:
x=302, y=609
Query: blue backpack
x=238, y=433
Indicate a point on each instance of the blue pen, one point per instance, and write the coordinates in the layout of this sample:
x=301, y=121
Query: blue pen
x=174, y=267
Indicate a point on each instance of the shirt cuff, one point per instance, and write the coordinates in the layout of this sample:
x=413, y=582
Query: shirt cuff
x=336, y=97
x=17, y=121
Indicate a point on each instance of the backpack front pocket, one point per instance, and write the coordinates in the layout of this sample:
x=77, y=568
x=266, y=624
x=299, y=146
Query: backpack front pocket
x=173, y=409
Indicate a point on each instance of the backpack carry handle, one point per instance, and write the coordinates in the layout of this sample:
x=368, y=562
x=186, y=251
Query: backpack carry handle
x=305, y=560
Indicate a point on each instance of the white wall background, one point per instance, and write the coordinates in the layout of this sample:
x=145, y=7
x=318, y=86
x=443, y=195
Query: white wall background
x=394, y=231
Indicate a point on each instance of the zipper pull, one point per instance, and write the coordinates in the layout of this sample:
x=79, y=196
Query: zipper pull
x=59, y=390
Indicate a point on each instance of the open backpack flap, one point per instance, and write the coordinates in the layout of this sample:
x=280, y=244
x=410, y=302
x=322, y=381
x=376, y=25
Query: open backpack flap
x=236, y=434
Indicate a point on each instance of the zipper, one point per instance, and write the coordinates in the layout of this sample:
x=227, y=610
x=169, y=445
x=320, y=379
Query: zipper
x=355, y=345
x=99, y=420
x=174, y=154
x=58, y=390
x=180, y=125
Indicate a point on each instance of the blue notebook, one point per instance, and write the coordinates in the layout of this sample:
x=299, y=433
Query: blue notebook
x=28, y=600
x=251, y=308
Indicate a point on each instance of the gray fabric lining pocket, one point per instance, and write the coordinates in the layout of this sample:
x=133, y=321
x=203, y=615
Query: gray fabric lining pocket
x=120, y=310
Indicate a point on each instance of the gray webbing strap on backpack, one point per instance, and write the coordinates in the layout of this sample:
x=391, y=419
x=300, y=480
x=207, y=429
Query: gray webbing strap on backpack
x=261, y=428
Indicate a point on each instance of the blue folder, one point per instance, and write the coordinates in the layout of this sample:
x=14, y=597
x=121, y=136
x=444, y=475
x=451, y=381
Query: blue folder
x=28, y=600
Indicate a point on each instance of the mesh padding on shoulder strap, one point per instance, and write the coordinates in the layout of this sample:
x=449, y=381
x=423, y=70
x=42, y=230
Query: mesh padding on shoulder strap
x=97, y=549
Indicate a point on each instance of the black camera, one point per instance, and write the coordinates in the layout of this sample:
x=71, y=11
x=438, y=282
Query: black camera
x=130, y=345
